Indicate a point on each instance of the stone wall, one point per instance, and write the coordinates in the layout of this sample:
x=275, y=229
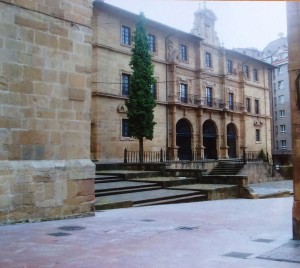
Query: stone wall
x=45, y=109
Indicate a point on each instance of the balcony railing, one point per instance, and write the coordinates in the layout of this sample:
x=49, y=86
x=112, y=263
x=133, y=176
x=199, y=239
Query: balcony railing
x=214, y=103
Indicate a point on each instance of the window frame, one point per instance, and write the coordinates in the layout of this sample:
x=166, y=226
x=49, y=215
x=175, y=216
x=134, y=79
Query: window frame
x=152, y=42
x=282, y=114
x=257, y=135
x=154, y=90
x=283, y=147
x=125, y=128
x=246, y=71
x=281, y=99
x=255, y=75
x=183, y=52
x=256, y=106
x=229, y=66
x=183, y=92
x=208, y=60
x=231, y=101
x=126, y=35
x=282, y=129
x=248, y=104
x=209, y=96
x=125, y=86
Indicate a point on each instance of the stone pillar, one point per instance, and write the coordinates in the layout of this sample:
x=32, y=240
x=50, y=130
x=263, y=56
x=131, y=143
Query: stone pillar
x=223, y=130
x=45, y=98
x=173, y=149
x=200, y=148
x=293, y=17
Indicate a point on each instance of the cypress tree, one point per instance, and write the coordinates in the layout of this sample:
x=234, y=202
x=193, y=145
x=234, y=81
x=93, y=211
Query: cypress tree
x=141, y=101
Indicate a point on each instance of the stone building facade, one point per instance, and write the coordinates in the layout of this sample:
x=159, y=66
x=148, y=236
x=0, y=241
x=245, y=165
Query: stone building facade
x=211, y=102
x=45, y=101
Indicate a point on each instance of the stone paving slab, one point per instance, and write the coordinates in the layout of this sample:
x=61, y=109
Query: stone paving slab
x=202, y=186
x=215, y=234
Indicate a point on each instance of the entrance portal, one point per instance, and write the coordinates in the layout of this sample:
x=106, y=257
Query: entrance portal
x=210, y=140
x=184, y=139
x=231, y=140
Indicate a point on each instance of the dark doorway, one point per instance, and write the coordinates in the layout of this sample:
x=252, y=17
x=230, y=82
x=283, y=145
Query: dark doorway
x=231, y=140
x=210, y=140
x=184, y=140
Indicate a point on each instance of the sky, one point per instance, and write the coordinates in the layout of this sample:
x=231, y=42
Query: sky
x=239, y=24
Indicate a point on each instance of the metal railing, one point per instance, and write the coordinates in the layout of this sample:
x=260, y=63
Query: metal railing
x=209, y=102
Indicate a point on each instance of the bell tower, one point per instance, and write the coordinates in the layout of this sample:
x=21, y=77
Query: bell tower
x=204, y=25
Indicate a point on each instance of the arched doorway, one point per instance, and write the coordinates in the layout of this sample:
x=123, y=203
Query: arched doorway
x=231, y=140
x=184, y=139
x=210, y=140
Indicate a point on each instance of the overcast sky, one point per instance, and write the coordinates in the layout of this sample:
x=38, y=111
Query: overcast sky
x=239, y=23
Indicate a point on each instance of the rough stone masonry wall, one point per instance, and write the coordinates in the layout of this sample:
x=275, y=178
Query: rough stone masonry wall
x=45, y=109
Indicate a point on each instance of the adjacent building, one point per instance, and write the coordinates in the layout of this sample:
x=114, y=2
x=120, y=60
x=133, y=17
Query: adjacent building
x=276, y=53
x=211, y=102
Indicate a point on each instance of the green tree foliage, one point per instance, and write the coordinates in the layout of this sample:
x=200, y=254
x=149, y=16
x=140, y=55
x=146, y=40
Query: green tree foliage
x=141, y=101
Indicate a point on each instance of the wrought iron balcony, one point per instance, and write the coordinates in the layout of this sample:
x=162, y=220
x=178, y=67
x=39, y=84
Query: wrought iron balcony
x=214, y=103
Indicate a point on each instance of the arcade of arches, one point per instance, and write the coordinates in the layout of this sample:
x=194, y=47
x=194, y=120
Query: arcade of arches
x=210, y=147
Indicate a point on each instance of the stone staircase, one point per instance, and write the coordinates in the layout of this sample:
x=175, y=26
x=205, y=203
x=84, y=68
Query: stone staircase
x=127, y=188
x=227, y=167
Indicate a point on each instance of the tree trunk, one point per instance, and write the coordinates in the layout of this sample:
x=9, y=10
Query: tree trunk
x=141, y=150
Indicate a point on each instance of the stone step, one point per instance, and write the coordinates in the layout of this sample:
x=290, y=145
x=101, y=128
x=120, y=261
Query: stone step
x=124, y=191
x=107, y=178
x=168, y=181
x=113, y=201
x=185, y=199
x=129, y=174
x=213, y=191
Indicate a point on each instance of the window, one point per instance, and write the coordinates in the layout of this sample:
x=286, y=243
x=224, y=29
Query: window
x=125, y=128
x=282, y=129
x=230, y=101
x=208, y=60
x=183, y=53
x=229, y=66
x=281, y=99
x=275, y=101
x=283, y=144
x=126, y=35
x=246, y=71
x=276, y=115
x=276, y=130
x=183, y=93
x=256, y=106
x=151, y=39
x=125, y=84
x=279, y=70
x=282, y=113
x=257, y=134
x=274, y=87
x=276, y=145
x=153, y=90
x=280, y=85
x=255, y=74
x=209, y=96
x=248, y=105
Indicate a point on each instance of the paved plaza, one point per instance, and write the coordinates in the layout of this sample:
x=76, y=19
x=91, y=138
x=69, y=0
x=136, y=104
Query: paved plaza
x=225, y=233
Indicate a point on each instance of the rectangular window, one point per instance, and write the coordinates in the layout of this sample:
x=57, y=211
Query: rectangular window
x=255, y=74
x=230, y=101
x=281, y=99
x=276, y=145
x=248, y=105
x=283, y=144
x=208, y=60
x=275, y=101
x=257, y=134
x=280, y=85
x=126, y=35
x=209, y=99
x=151, y=39
x=279, y=70
x=229, y=66
x=154, y=91
x=183, y=93
x=125, y=84
x=256, y=106
x=282, y=113
x=125, y=128
x=276, y=130
x=276, y=115
x=246, y=71
x=282, y=129
x=183, y=53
